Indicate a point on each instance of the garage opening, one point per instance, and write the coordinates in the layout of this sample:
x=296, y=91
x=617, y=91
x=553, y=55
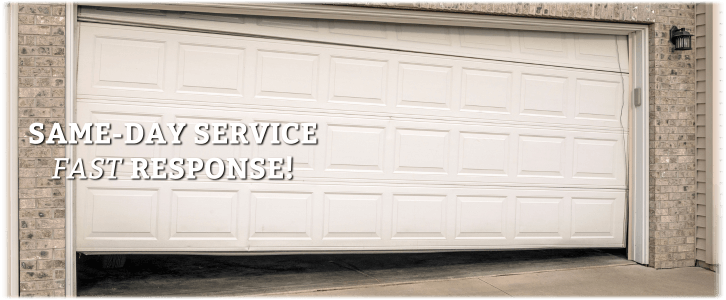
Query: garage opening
x=317, y=274
x=430, y=137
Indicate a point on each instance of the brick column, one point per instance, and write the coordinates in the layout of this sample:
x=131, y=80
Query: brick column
x=672, y=141
x=41, y=91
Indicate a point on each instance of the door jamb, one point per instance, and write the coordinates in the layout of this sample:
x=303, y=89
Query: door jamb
x=12, y=172
x=71, y=49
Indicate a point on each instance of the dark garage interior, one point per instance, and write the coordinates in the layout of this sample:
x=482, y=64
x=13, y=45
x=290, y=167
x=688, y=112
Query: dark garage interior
x=213, y=275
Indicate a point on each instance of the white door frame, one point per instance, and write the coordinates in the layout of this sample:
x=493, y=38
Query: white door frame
x=71, y=68
x=11, y=131
x=638, y=44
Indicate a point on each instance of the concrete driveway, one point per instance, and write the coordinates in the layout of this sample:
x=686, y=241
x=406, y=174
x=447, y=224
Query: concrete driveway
x=557, y=272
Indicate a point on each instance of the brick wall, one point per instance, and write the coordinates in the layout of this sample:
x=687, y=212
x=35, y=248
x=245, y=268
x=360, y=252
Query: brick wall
x=41, y=91
x=672, y=109
x=628, y=12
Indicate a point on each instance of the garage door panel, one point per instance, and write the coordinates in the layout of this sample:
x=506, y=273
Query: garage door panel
x=287, y=75
x=325, y=216
x=541, y=156
x=540, y=217
x=209, y=70
x=590, y=51
x=389, y=150
x=281, y=216
x=421, y=151
x=484, y=154
x=169, y=209
x=415, y=151
x=355, y=148
x=424, y=86
x=122, y=214
x=486, y=91
x=122, y=63
x=353, y=216
x=358, y=81
x=204, y=215
x=335, y=78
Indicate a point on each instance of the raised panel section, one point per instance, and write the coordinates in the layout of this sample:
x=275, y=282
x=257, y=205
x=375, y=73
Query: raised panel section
x=203, y=215
x=598, y=100
x=592, y=218
x=543, y=43
x=595, y=158
x=352, y=216
x=483, y=154
x=359, y=81
x=480, y=217
x=487, y=38
x=424, y=34
x=424, y=86
x=489, y=91
x=210, y=70
x=421, y=151
x=355, y=148
x=419, y=216
x=284, y=75
x=129, y=64
x=281, y=216
x=541, y=156
x=539, y=217
x=544, y=95
x=597, y=47
x=128, y=214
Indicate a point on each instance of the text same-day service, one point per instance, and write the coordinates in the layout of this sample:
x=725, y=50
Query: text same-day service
x=214, y=133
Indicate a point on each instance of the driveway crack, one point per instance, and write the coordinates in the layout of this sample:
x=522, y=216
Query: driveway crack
x=352, y=268
x=484, y=281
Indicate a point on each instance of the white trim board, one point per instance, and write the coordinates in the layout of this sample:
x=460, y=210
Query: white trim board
x=12, y=171
x=638, y=43
x=6, y=140
x=351, y=13
x=640, y=167
x=71, y=54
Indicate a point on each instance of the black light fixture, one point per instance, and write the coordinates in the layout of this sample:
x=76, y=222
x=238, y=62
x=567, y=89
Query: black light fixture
x=681, y=38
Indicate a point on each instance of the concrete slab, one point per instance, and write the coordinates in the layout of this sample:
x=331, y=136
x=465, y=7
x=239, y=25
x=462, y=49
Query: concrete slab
x=631, y=280
x=448, y=288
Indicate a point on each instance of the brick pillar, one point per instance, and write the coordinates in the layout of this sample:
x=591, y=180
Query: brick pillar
x=672, y=141
x=41, y=91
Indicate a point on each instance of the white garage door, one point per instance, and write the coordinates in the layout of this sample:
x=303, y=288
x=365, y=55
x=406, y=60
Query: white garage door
x=429, y=137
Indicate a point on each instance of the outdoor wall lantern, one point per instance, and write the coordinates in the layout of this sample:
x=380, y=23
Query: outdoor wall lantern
x=681, y=38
